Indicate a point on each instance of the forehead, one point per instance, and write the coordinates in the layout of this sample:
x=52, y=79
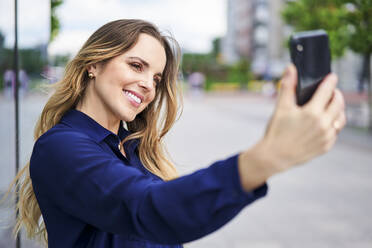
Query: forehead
x=150, y=50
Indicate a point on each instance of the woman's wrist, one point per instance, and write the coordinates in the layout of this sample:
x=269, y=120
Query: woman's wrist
x=256, y=165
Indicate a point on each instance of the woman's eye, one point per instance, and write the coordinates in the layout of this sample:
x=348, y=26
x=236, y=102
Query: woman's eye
x=136, y=66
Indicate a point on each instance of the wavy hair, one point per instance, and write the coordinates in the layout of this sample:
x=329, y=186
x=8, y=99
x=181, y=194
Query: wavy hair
x=149, y=127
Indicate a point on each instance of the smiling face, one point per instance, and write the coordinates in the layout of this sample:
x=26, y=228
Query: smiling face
x=125, y=85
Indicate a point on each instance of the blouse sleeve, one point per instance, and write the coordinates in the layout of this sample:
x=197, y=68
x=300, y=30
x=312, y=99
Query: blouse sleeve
x=84, y=181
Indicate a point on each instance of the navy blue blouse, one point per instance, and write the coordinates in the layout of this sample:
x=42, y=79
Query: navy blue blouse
x=90, y=195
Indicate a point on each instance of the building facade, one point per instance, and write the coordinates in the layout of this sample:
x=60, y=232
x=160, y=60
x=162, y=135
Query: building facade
x=255, y=31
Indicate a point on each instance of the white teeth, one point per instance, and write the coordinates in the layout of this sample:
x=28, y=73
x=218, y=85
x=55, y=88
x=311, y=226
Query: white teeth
x=135, y=98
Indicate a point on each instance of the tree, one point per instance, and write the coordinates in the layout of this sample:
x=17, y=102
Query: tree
x=2, y=60
x=216, y=47
x=348, y=23
x=240, y=72
x=54, y=21
x=32, y=61
x=2, y=39
x=329, y=15
x=359, y=20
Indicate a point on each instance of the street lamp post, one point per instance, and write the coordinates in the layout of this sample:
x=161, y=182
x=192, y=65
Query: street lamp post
x=16, y=102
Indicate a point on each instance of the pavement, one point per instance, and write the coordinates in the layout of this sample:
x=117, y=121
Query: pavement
x=324, y=203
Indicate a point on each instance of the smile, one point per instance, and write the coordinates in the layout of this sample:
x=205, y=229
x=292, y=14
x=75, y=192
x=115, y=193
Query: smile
x=132, y=96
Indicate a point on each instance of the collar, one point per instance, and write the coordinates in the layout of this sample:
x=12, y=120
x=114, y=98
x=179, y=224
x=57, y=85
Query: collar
x=89, y=126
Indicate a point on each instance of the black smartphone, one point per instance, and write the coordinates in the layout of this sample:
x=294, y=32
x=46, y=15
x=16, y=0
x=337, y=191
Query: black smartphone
x=311, y=55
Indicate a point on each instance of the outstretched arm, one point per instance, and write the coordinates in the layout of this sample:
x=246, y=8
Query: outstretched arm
x=294, y=134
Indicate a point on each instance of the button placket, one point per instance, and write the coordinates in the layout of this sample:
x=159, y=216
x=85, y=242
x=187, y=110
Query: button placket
x=119, y=147
x=119, y=144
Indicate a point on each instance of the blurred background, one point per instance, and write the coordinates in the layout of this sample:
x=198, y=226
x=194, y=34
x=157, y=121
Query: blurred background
x=233, y=55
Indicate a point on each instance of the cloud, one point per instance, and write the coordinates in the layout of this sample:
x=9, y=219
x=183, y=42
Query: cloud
x=193, y=23
x=33, y=22
x=68, y=42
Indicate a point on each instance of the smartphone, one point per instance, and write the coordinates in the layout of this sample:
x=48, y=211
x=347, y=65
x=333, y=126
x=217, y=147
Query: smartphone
x=310, y=54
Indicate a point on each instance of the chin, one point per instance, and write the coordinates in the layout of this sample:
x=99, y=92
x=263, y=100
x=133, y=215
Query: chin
x=127, y=117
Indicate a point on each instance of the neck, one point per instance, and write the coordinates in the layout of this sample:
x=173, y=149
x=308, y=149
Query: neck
x=98, y=111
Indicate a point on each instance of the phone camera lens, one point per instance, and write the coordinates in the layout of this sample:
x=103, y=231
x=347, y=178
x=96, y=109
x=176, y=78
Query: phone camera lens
x=300, y=48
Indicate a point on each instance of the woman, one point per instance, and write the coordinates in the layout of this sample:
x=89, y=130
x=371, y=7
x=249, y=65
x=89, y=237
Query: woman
x=97, y=184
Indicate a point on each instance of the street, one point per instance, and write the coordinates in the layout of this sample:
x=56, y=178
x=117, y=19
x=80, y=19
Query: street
x=324, y=203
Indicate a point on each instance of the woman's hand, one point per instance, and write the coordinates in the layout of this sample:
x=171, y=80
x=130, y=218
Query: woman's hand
x=295, y=134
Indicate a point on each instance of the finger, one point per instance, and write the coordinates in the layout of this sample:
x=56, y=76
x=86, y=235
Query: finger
x=340, y=122
x=324, y=93
x=336, y=106
x=287, y=93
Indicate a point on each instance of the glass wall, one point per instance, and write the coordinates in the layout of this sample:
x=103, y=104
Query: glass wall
x=7, y=123
x=33, y=36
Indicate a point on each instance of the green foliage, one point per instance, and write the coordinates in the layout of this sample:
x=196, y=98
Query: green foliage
x=60, y=60
x=31, y=60
x=215, y=72
x=197, y=62
x=239, y=72
x=348, y=22
x=216, y=47
x=55, y=3
x=329, y=15
x=54, y=27
x=209, y=64
x=6, y=61
x=359, y=18
x=2, y=39
x=54, y=21
x=2, y=59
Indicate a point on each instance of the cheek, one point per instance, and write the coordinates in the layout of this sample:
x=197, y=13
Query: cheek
x=152, y=96
x=107, y=90
x=149, y=100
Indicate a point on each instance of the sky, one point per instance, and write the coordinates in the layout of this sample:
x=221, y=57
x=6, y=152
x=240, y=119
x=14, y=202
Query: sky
x=194, y=23
x=33, y=22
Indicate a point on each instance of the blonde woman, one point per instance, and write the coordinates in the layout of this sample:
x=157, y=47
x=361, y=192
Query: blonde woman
x=91, y=182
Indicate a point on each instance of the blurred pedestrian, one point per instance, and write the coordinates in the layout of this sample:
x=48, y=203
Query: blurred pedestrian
x=23, y=82
x=364, y=74
x=91, y=182
x=9, y=83
x=196, y=82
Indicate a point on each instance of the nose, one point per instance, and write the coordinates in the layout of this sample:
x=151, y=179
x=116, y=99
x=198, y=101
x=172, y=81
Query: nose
x=146, y=84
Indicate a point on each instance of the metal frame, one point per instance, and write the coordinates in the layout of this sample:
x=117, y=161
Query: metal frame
x=16, y=105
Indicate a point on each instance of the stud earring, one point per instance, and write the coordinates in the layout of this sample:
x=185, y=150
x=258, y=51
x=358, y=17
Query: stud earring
x=90, y=75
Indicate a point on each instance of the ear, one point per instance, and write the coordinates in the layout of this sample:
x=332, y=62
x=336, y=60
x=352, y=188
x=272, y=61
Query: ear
x=93, y=69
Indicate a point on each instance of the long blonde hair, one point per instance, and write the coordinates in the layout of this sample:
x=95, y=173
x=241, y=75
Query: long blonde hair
x=150, y=126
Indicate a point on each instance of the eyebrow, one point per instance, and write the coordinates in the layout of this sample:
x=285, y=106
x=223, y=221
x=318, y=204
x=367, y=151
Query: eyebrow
x=146, y=64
